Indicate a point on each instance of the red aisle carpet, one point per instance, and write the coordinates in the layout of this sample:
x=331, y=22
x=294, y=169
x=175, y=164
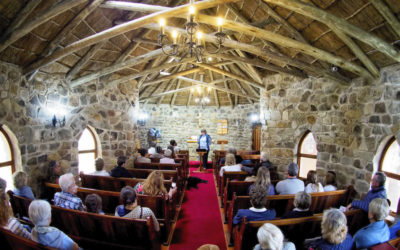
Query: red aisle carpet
x=199, y=221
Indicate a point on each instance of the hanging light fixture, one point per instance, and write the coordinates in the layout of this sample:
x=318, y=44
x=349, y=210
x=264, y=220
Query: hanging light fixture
x=194, y=41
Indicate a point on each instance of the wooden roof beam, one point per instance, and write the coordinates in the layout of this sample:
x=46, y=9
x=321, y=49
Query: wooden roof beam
x=387, y=14
x=340, y=23
x=214, y=90
x=226, y=73
x=240, y=87
x=169, y=84
x=288, y=42
x=20, y=18
x=39, y=19
x=227, y=93
x=118, y=30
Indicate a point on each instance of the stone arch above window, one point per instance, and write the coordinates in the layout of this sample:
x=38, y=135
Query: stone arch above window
x=389, y=163
x=307, y=154
x=88, y=150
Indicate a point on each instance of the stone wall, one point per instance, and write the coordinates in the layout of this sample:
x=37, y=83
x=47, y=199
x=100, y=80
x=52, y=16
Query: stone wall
x=26, y=108
x=349, y=122
x=179, y=123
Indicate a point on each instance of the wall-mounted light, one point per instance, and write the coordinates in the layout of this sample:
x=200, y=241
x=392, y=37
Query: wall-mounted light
x=142, y=118
x=57, y=112
x=255, y=119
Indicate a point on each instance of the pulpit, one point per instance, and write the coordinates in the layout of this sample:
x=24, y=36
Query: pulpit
x=222, y=143
x=201, y=152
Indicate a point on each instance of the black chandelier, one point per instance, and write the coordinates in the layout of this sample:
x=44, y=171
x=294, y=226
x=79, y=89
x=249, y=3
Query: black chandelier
x=194, y=39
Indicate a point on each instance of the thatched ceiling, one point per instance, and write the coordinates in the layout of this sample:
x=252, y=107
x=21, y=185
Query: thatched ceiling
x=86, y=40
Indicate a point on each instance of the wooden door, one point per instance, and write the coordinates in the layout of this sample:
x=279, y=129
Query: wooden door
x=256, y=137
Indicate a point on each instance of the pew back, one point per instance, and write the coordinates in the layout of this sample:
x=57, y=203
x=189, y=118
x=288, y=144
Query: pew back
x=10, y=241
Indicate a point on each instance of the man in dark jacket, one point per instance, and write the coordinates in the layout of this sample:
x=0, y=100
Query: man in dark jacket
x=120, y=170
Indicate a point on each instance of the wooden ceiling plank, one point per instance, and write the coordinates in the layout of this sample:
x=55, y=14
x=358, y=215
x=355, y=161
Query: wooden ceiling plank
x=79, y=65
x=231, y=75
x=214, y=90
x=20, y=18
x=166, y=93
x=118, y=30
x=228, y=93
x=170, y=83
x=39, y=19
x=389, y=16
x=178, y=85
x=236, y=71
x=240, y=87
x=340, y=23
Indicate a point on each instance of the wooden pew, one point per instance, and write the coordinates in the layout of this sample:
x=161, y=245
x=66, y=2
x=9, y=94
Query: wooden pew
x=111, y=183
x=10, y=241
x=168, y=174
x=295, y=230
x=161, y=166
x=95, y=231
x=284, y=203
x=83, y=227
x=19, y=207
x=238, y=187
x=162, y=207
x=237, y=175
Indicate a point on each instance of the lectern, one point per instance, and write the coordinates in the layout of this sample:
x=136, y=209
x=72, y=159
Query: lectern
x=201, y=152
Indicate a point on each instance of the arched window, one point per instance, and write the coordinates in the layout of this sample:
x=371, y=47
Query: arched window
x=307, y=154
x=88, y=150
x=7, y=164
x=390, y=165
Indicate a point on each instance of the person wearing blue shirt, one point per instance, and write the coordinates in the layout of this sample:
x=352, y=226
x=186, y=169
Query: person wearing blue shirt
x=334, y=231
x=291, y=185
x=263, y=179
x=377, y=231
x=204, y=142
x=377, y=191
x=20, y=179
x=394, y=229
x=258, y=212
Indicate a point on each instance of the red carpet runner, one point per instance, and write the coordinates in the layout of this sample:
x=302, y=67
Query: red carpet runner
x=199, y=221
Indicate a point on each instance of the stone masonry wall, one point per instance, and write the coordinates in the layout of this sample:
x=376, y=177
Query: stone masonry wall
x=179, y=123
x=26, y=108
x=349, y=122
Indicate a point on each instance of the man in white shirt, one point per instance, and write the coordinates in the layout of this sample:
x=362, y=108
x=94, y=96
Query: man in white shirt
x=167, y=159
x=152, y=149
x=291, y=185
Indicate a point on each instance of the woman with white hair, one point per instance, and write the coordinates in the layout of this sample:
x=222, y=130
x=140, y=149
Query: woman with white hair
x=67, y=197
x=40, y=215
x=334, y=232
x=377, y=231
x=167, y=157
x=270, y=237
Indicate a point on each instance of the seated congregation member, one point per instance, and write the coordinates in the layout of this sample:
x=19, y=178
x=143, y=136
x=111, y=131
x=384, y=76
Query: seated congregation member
x=377, y=191
x=130, y=208
x=291, y=185
x=152, y=148
x=154, y=185
x=93, y=203
x=334, y=232
x=99, y=164
x=312, y=184
x=174, y=145
x=43, y=233
x=377, y=231
x=20, y=179
x=54, y=171
x=173, y=155
x=263, y=179
x=330, y=182
x=120, y=170
x=7, y=220
x=168, y=157
x=270, y=237
x=67, y=197
x=230, y=165
x=395, y=228
x=233, y=151
x=142, y=156
x=302, y=203
x=258, y=200
x=158, y=154
x=264, y=162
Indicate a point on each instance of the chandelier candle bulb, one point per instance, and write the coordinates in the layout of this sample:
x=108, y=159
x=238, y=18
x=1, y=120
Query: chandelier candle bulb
x=174, y=36
x=220, y=21
x=162, y=26
x=192, y=11
x=199, y=38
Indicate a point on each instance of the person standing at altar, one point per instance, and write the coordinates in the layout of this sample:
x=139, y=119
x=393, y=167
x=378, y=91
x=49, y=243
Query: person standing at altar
x=204, y=142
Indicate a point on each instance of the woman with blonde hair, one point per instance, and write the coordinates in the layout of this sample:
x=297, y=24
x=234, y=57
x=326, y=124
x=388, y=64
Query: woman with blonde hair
x=334, y=232
x=312, y=184
x=263, y=179
x=154, y=185
x=20, y=179
x=7, y=219
x=230, y=165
